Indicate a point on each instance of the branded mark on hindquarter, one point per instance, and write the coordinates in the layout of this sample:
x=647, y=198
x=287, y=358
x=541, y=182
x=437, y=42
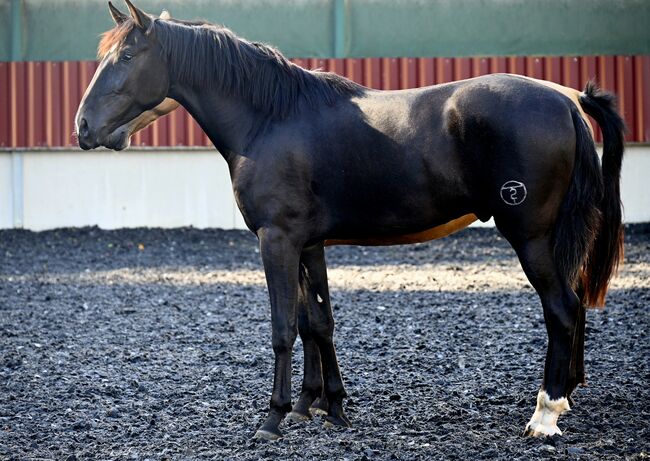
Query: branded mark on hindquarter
x=513, y=192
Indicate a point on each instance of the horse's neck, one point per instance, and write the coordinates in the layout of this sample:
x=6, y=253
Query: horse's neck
x=228, y=122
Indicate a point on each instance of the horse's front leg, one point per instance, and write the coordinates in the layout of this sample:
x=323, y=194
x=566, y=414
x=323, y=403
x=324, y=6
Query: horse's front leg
x=281, y=256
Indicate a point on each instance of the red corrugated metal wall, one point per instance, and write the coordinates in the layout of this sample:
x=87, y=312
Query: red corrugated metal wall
x=38, y=100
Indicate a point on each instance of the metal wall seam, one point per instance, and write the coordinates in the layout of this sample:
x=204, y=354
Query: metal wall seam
x=38, y=100
x=5, y=104
x=642, y=93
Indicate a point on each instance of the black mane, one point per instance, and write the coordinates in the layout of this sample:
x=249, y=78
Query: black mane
x=206, y=56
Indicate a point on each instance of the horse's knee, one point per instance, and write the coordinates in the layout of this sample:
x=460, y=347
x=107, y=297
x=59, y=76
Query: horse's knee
x=283, y=341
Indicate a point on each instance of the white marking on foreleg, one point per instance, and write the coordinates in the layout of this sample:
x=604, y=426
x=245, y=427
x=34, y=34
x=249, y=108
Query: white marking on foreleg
x=318, y=298
x=544, y=420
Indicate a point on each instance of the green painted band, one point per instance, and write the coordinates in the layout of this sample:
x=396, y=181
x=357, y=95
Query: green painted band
x=16, y=30
x=69, y=29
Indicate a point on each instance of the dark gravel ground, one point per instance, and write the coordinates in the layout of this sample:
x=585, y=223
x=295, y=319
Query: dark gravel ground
x=155, y=344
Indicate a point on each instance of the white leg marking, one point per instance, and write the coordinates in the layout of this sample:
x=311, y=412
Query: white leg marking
x=544, y=420
x=318, y=298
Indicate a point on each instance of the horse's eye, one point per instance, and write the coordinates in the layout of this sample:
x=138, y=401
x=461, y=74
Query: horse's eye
x=126, y=57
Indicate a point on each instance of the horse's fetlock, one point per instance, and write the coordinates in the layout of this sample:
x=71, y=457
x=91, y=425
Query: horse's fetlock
x=312, y=387
x=280, y=407
x=336, y=393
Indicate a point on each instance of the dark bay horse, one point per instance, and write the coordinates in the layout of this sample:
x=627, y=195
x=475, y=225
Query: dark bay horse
x=315, y=158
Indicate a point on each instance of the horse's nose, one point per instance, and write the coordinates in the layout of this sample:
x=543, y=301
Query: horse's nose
x=83, y=128
x=84, y=135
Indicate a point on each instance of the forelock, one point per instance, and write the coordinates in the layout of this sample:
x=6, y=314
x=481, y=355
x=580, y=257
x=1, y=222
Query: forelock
x=114, y=38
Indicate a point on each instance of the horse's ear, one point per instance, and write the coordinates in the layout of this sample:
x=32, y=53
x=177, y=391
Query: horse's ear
x=140, y=18
x=165, y=15
x=116, y=14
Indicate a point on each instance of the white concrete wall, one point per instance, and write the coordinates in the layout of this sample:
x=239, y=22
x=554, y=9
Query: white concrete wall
x=635, y=184
x=49, y=189
x=118, y=189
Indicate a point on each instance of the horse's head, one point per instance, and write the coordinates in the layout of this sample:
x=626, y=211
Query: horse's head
x=131, y=79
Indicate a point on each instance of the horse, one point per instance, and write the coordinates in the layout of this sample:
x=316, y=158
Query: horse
x=316, y=159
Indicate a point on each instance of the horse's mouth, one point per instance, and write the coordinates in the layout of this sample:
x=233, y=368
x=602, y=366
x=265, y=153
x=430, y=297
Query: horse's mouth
x=85, y=145
x=118, y=139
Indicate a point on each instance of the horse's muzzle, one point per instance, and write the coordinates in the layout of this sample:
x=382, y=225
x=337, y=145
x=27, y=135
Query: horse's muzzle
x=86, y=145
x=85, y=137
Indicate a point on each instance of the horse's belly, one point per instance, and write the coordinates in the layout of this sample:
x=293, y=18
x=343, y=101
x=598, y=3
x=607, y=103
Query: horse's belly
x=424, y=236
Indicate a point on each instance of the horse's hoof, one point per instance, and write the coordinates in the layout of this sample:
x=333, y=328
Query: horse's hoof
x=267, y=435
x=298, y=417
x=544, y=421
x=317, y=411
x=319, y=407
x=541, y=430
x=337, y=421
x=300, y=411
x=270, y=430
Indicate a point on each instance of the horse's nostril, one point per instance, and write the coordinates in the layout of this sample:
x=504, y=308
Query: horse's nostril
x=83, y=128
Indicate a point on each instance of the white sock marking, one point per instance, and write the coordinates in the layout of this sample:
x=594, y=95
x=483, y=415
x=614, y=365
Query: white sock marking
x=544, y=420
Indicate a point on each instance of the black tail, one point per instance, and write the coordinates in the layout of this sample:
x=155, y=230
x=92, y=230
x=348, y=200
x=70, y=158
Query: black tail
x=607, y=250
x=589, y=232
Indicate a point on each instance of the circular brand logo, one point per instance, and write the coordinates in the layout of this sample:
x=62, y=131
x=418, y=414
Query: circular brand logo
x=513, y=192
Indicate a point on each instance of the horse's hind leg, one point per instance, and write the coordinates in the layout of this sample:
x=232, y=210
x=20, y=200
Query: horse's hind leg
x=312, y=383
x=561, y=314
x=578, y=352
x=321, y=329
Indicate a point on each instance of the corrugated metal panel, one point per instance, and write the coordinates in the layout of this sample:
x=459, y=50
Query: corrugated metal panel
x=38, y=100
x=642, y=97
x=5, y=105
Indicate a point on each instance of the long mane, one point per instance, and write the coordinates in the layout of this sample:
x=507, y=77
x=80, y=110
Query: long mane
x=207, y=56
